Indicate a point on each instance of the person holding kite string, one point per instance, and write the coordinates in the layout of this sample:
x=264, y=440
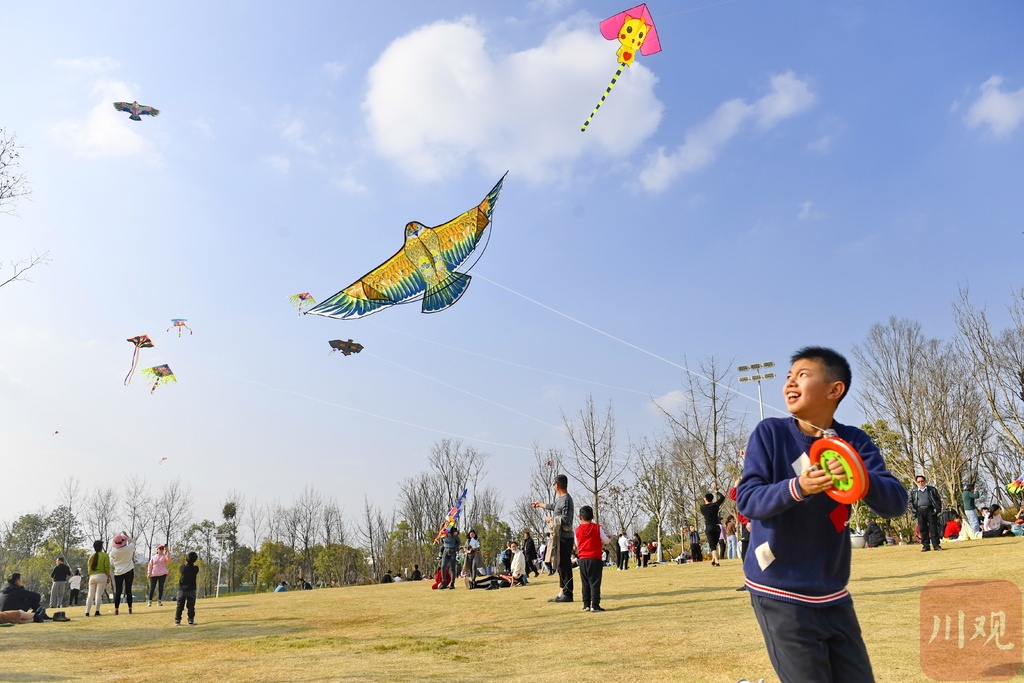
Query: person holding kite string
x=799, y=560
x=562, y=536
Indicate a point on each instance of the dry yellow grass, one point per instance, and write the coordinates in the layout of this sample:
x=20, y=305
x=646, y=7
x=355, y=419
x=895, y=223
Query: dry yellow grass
x=666, y=623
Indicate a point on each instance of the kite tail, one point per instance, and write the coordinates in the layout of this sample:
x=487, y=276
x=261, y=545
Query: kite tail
x=604, y=96
x=155, y=385
x=135, y=361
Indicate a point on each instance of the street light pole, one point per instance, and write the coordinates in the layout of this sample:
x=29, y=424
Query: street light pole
x=758, y=376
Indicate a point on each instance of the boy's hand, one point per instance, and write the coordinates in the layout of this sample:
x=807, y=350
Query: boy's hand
x=815, y=480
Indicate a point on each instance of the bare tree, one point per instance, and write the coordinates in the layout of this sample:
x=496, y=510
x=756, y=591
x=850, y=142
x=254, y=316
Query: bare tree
x=13, y=186
x=621, y=506
x=593, y=460
x=256, y=519
x=174, y=510
x=134, y=507
x=653, y=484
x=421, y=504
x=927, y=392
x=707, y=432
x=13, y=183
x=100, y=512
x=997, y=364
x=332, y=523
x=374, y=530
x=458, y=468
x=308, y=511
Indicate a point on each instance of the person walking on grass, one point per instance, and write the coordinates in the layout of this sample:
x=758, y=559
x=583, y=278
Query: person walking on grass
x=926, y=505
x=590, y=540
x=561, y=522
x=99, y=577
x=799, y=560
x=122, y=560
x=157, y=572
x=187, y=587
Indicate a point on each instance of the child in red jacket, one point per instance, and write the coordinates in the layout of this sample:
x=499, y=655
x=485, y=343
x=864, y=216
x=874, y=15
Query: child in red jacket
x=590, y=540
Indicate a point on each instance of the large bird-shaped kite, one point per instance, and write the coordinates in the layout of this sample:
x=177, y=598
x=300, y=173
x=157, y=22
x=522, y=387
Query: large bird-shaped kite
x=423, y=268
x=134, y=108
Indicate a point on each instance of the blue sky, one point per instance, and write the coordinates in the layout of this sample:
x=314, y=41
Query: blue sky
x=781, y=174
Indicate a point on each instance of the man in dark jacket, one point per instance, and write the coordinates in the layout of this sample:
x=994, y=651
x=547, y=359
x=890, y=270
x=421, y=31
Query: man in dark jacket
x=873, y=535
x=15, y=596
x=926, y=505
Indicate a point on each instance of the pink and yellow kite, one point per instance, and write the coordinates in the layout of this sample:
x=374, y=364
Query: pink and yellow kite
x=636, y=32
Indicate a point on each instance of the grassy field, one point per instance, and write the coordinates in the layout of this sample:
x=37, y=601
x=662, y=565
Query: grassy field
x=664, y=623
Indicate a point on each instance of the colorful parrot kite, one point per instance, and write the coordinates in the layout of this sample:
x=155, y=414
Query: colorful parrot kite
x=1016, y=487
x=134, y=108
x=635, y=31
x=302, y=301
x=452, y=518
x=346, y=347
x=179, y=323
x=141, y=342
x=424, y=268
x=160, y=374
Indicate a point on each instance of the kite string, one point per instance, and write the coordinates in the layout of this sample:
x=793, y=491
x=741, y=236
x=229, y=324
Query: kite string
x=366, y=412
x=642, y=350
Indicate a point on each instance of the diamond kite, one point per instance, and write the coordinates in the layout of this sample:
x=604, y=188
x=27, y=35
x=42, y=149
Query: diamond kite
x=179, y=323
x=453, y=517
x=302, y=301
x=134, y=108
x=160, y=374
x=424, y=268
x=141, y=342
x=635, y=30
x=346, y=347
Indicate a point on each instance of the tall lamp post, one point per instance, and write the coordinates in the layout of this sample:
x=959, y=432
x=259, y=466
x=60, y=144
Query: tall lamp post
x=758, y=376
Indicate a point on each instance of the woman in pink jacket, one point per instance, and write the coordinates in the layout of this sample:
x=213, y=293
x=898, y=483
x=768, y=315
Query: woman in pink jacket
x=157, y=573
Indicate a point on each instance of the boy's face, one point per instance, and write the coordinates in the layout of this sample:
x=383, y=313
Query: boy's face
x=807, y=388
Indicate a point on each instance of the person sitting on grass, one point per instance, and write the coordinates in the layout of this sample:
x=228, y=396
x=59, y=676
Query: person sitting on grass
x=799, y=564
x=994, y=526
x=282, y=587
x=14, y=596
x=518, y=570
x=952, y=529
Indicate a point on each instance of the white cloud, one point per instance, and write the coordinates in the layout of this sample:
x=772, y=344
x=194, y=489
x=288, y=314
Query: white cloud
x=822, y=144
x=93, y=64
x=808, y=212
x=204, y=125
x=278, y=163
x=105, y=132
x=1001, y=111
x=437, y=101
x=334, y=70
x=669, y=402
x=347, y=181
x=789, y=96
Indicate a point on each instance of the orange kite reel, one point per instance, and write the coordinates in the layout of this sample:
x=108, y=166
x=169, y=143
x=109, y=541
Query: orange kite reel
x=852, y=485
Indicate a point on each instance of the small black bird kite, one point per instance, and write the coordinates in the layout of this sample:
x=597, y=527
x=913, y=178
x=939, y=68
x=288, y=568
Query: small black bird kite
x=346, y=347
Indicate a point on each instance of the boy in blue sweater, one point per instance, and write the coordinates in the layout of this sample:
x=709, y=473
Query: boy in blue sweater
x=799, y=560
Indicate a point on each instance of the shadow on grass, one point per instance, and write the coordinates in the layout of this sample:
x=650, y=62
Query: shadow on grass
x=665, y=594
x=30, y=677
x=889, y=577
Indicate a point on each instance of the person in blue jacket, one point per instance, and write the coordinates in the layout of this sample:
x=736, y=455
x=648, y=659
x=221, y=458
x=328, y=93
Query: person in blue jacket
x=799, y=560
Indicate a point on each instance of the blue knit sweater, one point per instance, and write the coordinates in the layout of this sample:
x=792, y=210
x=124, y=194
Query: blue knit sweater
x=800, y=547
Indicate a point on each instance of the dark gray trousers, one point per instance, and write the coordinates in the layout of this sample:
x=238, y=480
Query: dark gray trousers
x=813, y=644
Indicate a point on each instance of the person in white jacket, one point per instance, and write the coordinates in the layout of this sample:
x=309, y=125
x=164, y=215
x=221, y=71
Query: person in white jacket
x=518, y=565
x=122, y=561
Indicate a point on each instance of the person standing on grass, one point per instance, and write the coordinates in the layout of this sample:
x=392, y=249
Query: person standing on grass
x=561, y=521
x=530, y=553
x=99, y=577
x=449, y=558
x=799, y=564
x=187, y=587
x=730, y=538
x=76, y=585
x=590, y=540
x=122, y=559
x=622, y=549
x=970, y=498
x=926, y=505
x=710, y=511
x=696, y=554
x=59, y=575
x=157, y=572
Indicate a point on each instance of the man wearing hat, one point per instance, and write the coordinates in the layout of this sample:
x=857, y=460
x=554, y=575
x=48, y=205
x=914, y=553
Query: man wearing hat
x=970, y=506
